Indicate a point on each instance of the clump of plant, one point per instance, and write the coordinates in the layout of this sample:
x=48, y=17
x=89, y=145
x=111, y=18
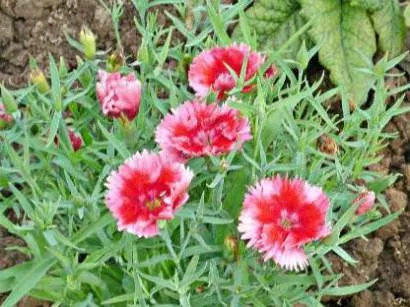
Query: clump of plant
x=347, y=34
x=201, y=185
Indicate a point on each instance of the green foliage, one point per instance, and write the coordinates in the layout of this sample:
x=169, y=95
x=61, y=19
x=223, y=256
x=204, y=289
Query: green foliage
x=77, y=256
x=344, y=30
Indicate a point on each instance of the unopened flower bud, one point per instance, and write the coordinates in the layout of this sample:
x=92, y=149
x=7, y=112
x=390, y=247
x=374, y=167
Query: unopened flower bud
x=144, y=54
x=332, y=238
x=184, y=64
x=87, y=39
x=62, y=68
x=9, y=102
x=327, y=145
x=224, y=165
x=115, y=61
x=352, y=105
x=366, y=200
x=75, y=139
x=38, y=78
x=5, y=119
x=231, y=247
x=200, y=289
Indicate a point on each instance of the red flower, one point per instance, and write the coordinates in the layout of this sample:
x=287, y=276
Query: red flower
x=118, y=95
x=366, y=200
x=197, y=129
x=209, y=70
x=280, y=215
x=147, y=188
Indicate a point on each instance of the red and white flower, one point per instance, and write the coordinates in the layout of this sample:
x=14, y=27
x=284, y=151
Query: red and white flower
x=366, y=200
x=118, y=95
x=197, y=129
x=146, y=189
x=210, y=70
x=280, y=215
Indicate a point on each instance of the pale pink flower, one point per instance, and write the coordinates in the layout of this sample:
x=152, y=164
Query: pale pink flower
x=118, y=95
x=146, y=189
x=280, y=215
x=196, y=129
x=366, y=200
x=210, y=70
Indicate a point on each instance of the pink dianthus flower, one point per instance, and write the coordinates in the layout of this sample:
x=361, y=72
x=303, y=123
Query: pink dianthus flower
x=146, y=189
x=280, y=215
x=196, y=129
x=209, y=70
x=118, y=95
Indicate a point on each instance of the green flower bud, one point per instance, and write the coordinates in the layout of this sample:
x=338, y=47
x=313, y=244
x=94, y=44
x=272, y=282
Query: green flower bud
x=87, y=39
x=115, y=61
x=231, y=248
x=8, y=100
x=38, y=78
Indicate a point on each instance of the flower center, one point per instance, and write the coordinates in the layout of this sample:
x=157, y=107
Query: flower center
x=288, y=220
x=286, y=223
x=153, y=204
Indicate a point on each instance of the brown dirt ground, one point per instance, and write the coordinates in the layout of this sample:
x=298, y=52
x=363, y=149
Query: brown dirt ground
x=36, y=28
x=386, y=254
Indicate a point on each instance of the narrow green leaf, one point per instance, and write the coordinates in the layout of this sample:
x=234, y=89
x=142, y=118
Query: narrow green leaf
x=119, y=146
x=119, y=299
x=347, y=290
x=29, y=280
x=369, y=228
x=344, y=255
x=23, y=201
x=218, y=24
x=55, y=85
x=159, y=281
x=53, y=128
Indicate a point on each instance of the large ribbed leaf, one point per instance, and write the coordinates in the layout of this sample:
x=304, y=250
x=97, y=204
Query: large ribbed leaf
x=407, y=15
x=390, y=26
x=371, y=5
x=347, y=42
x=274, y=23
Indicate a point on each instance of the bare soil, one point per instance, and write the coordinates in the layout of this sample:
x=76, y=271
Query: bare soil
x=36, y=28
x=386, y=254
